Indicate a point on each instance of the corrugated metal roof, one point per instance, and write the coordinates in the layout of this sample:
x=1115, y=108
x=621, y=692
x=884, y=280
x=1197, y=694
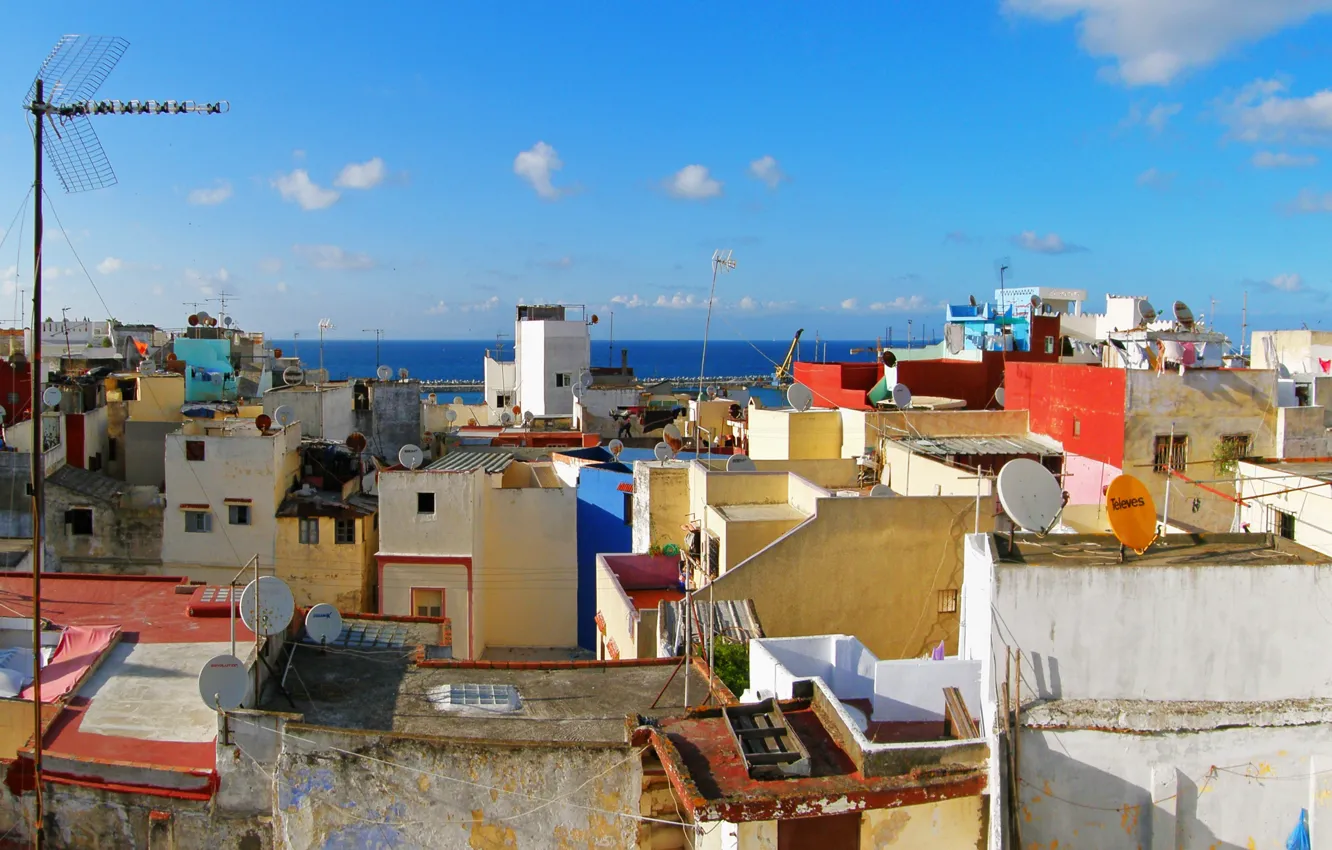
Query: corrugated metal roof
x=94, y=485
x=994, y=445
x=736, y=619
x=465, y=461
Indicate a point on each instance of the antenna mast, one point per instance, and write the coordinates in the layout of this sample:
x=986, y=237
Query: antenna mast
x=221, y=300
x=76, y=68
x=379, y=334
x=324, y=325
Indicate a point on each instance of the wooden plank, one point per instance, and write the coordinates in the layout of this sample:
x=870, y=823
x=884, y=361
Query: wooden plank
x=958, y=721
x=773, y=758
x=760, y=732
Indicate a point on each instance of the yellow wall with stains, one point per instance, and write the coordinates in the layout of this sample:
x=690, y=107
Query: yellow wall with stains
x=342, y=574
x=949, y=823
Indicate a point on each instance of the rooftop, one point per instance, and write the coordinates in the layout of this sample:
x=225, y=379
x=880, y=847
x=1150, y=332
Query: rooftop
x=1173, y=550
x=386, y=689
x=761, y=513
x=1027, y=444
x=465, y=461
x=1315, y=469
x=94, y=485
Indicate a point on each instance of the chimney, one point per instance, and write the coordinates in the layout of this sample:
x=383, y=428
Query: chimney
x=624, y=359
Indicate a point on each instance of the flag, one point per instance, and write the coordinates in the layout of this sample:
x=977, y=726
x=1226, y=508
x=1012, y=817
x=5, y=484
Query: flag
x=1325, y=364
x=141, y=346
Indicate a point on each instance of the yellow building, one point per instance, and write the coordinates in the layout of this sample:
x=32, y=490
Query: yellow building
x=325, y=549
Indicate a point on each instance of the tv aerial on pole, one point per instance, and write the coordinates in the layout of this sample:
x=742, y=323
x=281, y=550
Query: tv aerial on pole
x=324, y=325
x=60, y=100
x=379, y=335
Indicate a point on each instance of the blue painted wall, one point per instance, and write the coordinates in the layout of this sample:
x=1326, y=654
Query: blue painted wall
x=602, y=527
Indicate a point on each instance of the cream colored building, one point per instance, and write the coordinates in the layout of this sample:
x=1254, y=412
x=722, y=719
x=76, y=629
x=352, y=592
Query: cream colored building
x=486, y=542
x=224, y=482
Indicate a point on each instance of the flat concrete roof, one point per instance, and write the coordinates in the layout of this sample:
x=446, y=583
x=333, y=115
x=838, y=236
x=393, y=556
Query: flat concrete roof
x=760, y=513
x=1173, y=550
x=583, y=701
x=1310, y=469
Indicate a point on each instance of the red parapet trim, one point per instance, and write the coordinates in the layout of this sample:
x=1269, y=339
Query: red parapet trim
x=472, y=664
x=104, y=577
x=442, y=560
x=142, y=790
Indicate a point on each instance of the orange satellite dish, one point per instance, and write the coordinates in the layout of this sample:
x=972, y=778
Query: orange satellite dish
x=1132, y=512
x=263, y=422
x=194, y=319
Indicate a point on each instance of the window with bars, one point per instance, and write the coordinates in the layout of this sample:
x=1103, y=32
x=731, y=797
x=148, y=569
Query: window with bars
x=1170, y=453
x=309, y=530
x=948, y=601
x=1282, y=524
x=344, y=531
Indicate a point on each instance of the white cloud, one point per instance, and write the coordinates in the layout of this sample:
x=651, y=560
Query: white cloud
x=904, y=303
x=748, y=303
x=1309, y=201
x=693, y=183
x=1261, y=112
x=270, y=265
x=57, y=272
x=281, y=286
x=1154, y=178
x=438, y=309
x=629, y=301
x=680, y=301
x=110, y=265
x=361, y=175
x=1154, y=119
x=1281, y=159
x=442, y=307
x=297, y=187
x=1152, y=41
x=207, y=283
x=1285, y=283
x=331, y=257
x=210, y=197
x=537, y=165
x=851, y=304
x=1051, y=243
x=767, y=169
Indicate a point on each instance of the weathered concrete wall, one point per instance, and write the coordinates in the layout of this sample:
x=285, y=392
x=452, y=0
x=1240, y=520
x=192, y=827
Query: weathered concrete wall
x=343, y=574
x=442, y=793
x=529, y=572
x=395, y=417
x=958, y=822
x=323, y=411
x=661, y=503
x=126, y=538
x=142, y=451
x=794, y=435
x=79, y=817
x=1302, y=432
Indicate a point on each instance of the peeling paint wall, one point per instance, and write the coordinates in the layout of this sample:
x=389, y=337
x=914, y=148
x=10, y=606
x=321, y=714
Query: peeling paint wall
x=950, y=823
x=441, y=793
x=661, y=503
x=126, y=538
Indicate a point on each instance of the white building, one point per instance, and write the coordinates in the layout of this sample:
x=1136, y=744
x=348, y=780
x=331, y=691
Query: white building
x=550, y=352
x=1053, y=299
x=224, y=482
x=1291, y=499
x=1177, y=699
x=1302, y=357
x=486, y=542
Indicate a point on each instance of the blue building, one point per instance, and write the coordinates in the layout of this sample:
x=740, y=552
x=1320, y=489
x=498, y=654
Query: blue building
x=209, y=375
x=984, y=327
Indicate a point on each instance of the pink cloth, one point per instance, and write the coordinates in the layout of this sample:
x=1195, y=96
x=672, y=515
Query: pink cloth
x=79, y=649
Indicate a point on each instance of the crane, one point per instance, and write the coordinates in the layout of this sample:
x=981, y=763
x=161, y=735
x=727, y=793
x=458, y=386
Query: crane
x=783, y=373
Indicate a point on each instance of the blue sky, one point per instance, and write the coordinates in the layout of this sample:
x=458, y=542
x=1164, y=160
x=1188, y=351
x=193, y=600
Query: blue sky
x=423, y=170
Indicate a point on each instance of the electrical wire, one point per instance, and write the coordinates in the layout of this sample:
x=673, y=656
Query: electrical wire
x=75, y=252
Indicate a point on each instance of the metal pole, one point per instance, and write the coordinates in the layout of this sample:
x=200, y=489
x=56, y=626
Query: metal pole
x=1170, y=473
x=321, y=349
x=689, y=635
x=38, y=464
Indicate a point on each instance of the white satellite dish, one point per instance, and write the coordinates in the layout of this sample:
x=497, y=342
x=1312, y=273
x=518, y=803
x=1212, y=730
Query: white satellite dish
x=293, y=375
x=1029, y=494
x=432, y=398
x=146, y=367
x=284, y=415
x=800, y=397
x=203, y=318
x=740, y=463
x=671, y=432
x=662, y=451
x=506, y=418
x=578, y=391
x=384, y=373
x=457, y=399
x=999, y=396
x=402, y=374
x=901, y=397
x=323, y=623
x=227, y=321
x=713, y=391
x=266, y=605
x=615, y=447
x=51, y=396
x=450, y=415
x=410, y=456
x=881, y=490
x=223, y=682
x=1183, y=315
x=1148, y=312
x=528, y=417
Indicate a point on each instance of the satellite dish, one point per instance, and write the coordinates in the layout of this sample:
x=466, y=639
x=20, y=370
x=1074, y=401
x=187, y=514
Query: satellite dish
x=1183, y=314
x=277, y=352
x=1148, y=312
x=595, y=318
x=1132, y=512
x=528, y=417
x=204, y=318
x=356, y=441
x=972, y=300
x=889, y=359
x=506, y=418
x=713, y=391
x=384, y=373
x=402, y=374
x=457, y=399
x=740, y=463
x=800, y=397
x=323, y=623
x=193, y=319
x=223, y=682
x=615, y=447
x=227, y=321
x=263, y=422
x=901, y=397
x=671, y=432
x=284, y=415
x=450, y=415
x=51, y=396
x=999, y=396
x=432, y=398
x=293, y=375
x=662, y=451
x=1035, y=303
x=146, y=367
x=1030, y=495
x=171, y=357
x=266, y=605
x=410, y=456
x=577, y=391
x=881, y=490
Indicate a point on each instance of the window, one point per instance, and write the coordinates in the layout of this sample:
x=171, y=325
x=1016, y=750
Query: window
x=948, y=601
x=564, y=379
x=1166, y=455
x=309, y=530
x=503, y=400
x=1282, y=524
x=425, y=503
x=628, y=508
x=198, y=522
x=194, y=449
x=111, y=449
x=238, y=514
x=1049, y=345
x=428, y=603
x=344, y=531
x=79, y=520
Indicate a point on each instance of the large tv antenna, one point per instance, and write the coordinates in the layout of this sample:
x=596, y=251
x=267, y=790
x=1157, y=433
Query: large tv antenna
x=722, y=262
x=61, y=96
x=1004, y=268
